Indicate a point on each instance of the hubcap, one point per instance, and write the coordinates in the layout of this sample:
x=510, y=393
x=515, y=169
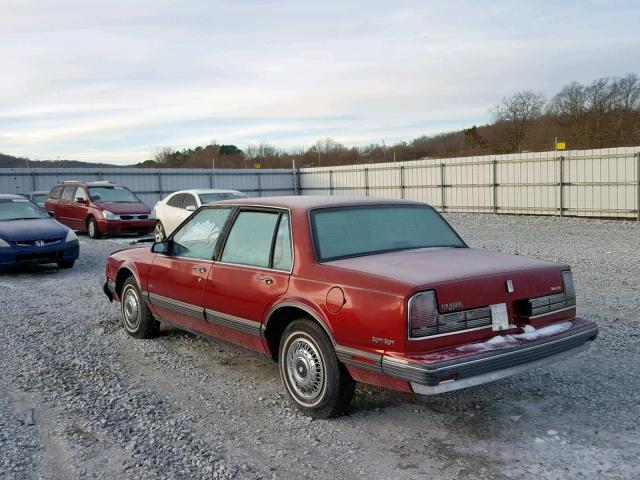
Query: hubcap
x=159, y=233
x=305, y=369
x=131, y=309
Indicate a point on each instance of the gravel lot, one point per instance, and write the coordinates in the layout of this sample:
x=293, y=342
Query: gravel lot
x=80, y=399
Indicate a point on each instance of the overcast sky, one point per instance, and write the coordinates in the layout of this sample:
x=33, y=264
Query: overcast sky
x=115, y=80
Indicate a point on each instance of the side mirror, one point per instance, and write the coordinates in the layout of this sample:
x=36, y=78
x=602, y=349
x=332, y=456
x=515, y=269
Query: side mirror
x=161, y=247
x=80, y=200
x=191, y=208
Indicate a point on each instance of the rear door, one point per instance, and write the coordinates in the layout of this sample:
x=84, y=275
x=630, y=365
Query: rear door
x=176, y=281
x=64, y=206
x=253, y=269
x=78, y=210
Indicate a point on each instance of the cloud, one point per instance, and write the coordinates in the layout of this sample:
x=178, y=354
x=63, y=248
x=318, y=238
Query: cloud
x=113, y=81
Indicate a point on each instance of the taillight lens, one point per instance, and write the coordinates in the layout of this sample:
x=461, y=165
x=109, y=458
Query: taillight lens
x=423, y=314
x=569, y=287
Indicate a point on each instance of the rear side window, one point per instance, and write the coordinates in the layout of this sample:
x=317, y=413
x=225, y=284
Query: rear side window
x=68, y=193
x=250, y=239
x=176, y=200
x=56, y=192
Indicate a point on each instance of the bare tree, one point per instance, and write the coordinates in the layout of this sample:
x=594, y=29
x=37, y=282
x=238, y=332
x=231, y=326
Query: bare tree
x=626, y=91
x=518, y=110
x=163, y=155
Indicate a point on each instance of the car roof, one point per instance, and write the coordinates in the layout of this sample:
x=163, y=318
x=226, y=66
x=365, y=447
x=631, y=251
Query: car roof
x=309, y=202
x=9, y=196
x=207, y=190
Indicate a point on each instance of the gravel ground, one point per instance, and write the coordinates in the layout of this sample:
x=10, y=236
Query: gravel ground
x=80, y=399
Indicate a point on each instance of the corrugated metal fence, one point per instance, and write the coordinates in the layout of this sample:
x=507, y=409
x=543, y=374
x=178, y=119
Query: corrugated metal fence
x=592, y=183
x=153, y=184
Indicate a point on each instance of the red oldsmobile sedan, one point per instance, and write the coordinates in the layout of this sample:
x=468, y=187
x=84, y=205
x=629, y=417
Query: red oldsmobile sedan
x=344, y=290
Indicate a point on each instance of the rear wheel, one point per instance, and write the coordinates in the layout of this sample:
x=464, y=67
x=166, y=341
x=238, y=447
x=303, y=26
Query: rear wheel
x=92, y=228
x=319, y=385
x=66, y=263
x=158, y=232
x=136, y=317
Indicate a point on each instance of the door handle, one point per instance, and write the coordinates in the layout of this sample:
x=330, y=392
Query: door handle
x=265, y=280
x=200, y=269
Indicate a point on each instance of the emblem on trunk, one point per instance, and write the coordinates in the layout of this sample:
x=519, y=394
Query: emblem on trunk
x=449, y=307
x=510, y=286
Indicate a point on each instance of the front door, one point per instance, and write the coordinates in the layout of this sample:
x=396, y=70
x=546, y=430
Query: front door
x=176, y=280
x=78, y=210
x=253, y=270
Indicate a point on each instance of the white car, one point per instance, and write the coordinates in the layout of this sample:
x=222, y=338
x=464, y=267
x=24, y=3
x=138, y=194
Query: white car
x=173, y=209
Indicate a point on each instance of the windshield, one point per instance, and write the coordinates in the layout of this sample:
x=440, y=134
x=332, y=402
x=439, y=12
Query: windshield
x=20, y=209
x=217, y=197
x=112, y=195
x=346, y=232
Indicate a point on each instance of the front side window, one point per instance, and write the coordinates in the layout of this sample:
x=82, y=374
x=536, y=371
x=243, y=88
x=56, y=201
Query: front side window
x=189, y=201
x=80, y=193
x=250, y=239
x=347, y=232
x=20, y=209
x=112, y=194
x=198, y=237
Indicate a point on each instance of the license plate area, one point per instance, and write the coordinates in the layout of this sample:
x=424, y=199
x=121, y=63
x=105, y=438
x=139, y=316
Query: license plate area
x=499, y=317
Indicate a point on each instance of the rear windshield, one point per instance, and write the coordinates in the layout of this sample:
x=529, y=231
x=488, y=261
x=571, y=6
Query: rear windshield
x=346, y=232
x=217, y=197
x=39, y=197
x=20, y=209
x=112, y=195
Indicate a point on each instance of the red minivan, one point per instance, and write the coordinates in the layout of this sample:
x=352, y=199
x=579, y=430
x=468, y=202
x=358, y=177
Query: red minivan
x=99, y=208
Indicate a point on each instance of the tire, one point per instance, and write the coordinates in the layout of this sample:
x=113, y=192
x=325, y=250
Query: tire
x=136, y=317
x=158, y=232
x=65, y=263
x=317, y=383
x=92, y=228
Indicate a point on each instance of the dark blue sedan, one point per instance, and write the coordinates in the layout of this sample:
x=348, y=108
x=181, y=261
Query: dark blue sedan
x=28, y=235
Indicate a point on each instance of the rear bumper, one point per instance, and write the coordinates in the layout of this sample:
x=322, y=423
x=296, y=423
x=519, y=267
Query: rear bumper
x=461, y=371
x=125, y=226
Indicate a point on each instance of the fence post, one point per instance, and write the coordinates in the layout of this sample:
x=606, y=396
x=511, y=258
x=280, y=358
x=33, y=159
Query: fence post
x=211, y=179
x=638, y=184
x=259, y=183
x=561, y=199
x=402, y=182
x=495, y=186
x=294, y=171
x=159, y=183
x=330, y=181
x=442, y=192
x=366, y=182
x=33, y=181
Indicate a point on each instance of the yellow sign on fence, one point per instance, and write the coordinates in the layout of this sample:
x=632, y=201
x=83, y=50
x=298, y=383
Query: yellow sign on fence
x=561, y=145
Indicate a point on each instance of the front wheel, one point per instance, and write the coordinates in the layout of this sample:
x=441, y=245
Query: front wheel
x=319, y=385
x=92, y=228
x=136, y=317
x=158, y=232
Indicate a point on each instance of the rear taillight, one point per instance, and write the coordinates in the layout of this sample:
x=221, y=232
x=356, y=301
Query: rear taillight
x=423, y=314
x=569, y=288
x=540, y=306
x=425, y=321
